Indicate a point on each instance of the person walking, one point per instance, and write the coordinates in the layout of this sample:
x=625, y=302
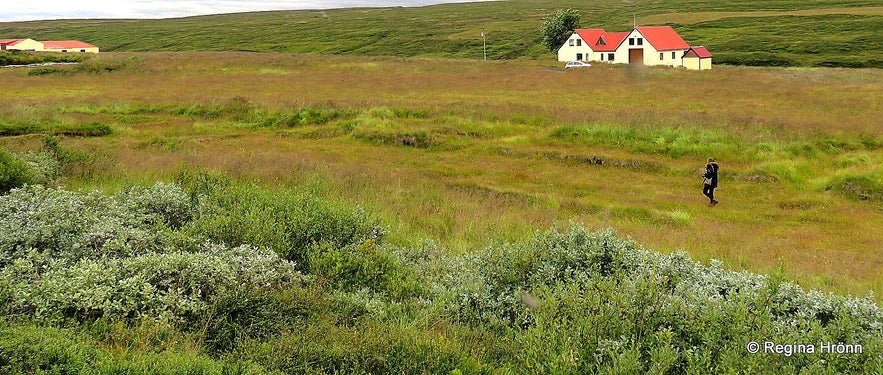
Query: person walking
x=710, y=181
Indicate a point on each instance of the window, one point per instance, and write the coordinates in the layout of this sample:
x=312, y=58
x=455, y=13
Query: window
x=672, y=55
x=579, y=42
x=610, y=57
x=571, y=42
x=64, y=50
x=661, y=57
x=640, y=41
x=602, y=57
x=579, y=57
x=631, y=41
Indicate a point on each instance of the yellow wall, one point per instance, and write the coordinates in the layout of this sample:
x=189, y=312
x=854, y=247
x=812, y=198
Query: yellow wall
x=69, y=50
x=27, y=45
x=696, y=63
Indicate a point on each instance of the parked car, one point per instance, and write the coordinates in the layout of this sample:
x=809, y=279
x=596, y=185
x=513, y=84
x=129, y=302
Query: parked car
x=576, y=64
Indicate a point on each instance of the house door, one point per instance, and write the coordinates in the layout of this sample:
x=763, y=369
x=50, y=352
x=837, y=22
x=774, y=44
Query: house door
x=636, y=56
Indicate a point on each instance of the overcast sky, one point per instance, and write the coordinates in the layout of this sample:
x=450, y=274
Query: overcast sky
x=55, y=9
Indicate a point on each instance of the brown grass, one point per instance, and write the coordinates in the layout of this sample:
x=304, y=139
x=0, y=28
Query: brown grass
x=494, y=173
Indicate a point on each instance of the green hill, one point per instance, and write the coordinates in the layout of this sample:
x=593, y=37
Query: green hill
x=778, y=32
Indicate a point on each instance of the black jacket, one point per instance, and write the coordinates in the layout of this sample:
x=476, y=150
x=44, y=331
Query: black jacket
x=711, y=172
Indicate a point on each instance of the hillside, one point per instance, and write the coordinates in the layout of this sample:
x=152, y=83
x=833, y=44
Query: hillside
x=844, y=33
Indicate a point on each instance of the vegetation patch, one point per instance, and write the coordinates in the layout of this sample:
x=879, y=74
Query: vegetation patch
x=418, y=139
x=319, y=286
x=27, y=58
x=93, y=129
x=91, y=67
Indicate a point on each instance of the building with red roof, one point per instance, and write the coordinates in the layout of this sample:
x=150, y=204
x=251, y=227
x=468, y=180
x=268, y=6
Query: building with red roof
x=697, y=58
x=20, y=45
x=650, y=45
x=69, y=46
x=46, y=46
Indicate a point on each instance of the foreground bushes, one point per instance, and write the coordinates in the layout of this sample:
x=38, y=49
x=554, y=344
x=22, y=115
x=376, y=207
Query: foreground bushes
x=31, y=168
x=580, y=301
x=69, y=255
x=221, y=277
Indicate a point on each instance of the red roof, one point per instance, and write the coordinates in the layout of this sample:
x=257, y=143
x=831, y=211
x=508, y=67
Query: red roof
x=701, y=52
x=601, y=41
x=66, y=44
x=663, y=38
x=10, y=42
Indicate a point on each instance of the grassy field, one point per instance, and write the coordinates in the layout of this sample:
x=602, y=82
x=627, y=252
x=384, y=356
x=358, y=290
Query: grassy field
x=844, y=33
x=460, y=167
x=470, y=153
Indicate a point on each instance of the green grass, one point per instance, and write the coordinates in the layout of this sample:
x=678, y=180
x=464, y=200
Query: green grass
x=512, y=29
x=25, y=58
x=419, y=215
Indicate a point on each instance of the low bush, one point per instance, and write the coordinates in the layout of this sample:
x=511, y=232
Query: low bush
x=615, y=307
x=365, y=265
x=67, y=255
x=29, y=349
x=14, y=172
x=289, y=221
x=68, y=227
x=212, y=263
x=24, y=58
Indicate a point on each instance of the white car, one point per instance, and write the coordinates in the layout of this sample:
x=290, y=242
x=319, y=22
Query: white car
x=576, y=64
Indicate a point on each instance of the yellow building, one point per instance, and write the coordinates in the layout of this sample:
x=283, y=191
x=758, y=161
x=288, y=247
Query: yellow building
x=697, y=58
x=62, y=46
x=20, y=45
x=68, y=46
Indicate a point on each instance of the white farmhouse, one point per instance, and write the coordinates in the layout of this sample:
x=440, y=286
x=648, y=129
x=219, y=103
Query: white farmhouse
x=652, y=45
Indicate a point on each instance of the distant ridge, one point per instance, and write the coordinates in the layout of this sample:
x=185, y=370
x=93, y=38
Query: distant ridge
x=825, y=37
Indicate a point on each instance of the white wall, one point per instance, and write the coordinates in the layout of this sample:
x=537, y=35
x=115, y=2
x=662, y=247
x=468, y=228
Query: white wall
x=651, y=54
x=568, y=52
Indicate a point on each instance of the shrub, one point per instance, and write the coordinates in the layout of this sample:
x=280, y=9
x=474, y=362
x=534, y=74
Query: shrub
x=628, y=308
x=14, y=172
x=86, y=255
x=23, y=58
x=174, y=286
x=289, y=221
x=29, y=350
x=243, y=315
x=69, y=226
x=365, y=265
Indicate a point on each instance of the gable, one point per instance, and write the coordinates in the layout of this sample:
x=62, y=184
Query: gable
x=663, y=38
x=10, y=42
x=698, y=51
x=590, y=36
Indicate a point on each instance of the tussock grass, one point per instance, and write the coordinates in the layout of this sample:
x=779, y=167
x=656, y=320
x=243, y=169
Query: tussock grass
x=507, y=147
